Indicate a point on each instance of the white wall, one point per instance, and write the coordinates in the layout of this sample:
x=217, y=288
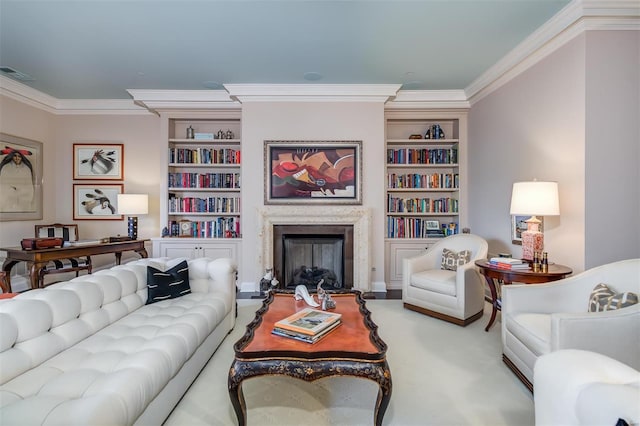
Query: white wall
x=58, y=133
x=310, y=121
x=532, y=127
x=612, y=200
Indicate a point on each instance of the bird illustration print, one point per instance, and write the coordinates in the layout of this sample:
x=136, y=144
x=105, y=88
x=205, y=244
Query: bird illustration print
x=101, y=162
x=99, y=199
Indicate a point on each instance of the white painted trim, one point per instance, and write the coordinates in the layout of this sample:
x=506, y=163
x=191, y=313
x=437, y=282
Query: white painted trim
x=312, y=92
x=27, y=95
x=249, y=287
x=161, y=100
x=431, y=99
x=577, y=17
x=379, y=287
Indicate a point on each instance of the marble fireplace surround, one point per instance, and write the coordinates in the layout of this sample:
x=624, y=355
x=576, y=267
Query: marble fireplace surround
x=359, y=217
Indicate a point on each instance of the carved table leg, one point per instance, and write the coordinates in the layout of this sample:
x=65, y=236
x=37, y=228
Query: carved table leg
x=494, y=302
x=236, y=395
x=6, y=267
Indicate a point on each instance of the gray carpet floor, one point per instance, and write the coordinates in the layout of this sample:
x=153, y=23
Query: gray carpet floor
x=442, y=374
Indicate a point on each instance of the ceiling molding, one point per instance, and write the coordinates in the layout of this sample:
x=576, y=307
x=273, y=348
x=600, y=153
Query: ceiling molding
x=27, y=95
x=312, y=92
x=431, y=99
x=577, y=17
x=175, y=100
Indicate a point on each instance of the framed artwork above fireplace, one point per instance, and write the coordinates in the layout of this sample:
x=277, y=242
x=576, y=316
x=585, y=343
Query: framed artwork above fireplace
x=313, y=172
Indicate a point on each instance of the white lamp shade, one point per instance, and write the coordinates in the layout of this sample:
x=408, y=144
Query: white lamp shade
x=133, y=203
x=535, y=199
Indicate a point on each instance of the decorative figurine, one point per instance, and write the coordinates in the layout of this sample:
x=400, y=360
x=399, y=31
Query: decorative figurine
x=268, y=282
x=165, y=232
x=302, y=293
x=229, y=134
x=326, y=302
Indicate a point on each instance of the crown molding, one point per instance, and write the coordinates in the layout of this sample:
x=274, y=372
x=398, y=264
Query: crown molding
x=176, y=100
x=30, y=96
x=431, y=99
x=312, y=92
x=576, y=18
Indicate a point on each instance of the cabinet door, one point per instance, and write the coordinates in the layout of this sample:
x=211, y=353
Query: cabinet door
x=397, y=251
x=217, y=251
x=175, y=249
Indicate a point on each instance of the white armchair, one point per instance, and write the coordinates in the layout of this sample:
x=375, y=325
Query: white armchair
x=543, y=318
x=454, y=296
x=574, y=387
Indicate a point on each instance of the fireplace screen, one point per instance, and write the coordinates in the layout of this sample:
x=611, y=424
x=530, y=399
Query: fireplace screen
x=309, y=259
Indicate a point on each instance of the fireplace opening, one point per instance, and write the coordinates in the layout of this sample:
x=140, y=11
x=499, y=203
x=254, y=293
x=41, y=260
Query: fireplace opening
x=307, y=254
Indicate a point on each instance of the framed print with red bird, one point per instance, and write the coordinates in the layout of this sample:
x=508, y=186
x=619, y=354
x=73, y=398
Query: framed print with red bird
x=313, y=172
x=20, y=178
x=98, y=161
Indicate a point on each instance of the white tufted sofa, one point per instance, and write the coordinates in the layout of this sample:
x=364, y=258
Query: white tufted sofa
x=90, y=352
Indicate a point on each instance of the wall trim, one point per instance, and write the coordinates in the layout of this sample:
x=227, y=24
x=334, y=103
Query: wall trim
x=576, y=18
x=312, y=92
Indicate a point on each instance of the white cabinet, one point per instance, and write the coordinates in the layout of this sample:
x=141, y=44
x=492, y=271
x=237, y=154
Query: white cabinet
x=195, y=247
x=425, y=184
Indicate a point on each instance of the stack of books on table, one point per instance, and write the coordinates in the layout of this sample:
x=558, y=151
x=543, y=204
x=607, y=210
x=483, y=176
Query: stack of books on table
x=308, y=325
x=509, y=263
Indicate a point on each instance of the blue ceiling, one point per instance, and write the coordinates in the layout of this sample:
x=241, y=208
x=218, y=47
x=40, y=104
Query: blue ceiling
x=97, y=49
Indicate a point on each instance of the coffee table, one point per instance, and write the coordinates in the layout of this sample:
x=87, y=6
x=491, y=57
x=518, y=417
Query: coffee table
x=352, y=349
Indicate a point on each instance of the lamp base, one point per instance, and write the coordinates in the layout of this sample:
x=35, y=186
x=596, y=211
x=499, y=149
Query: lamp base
x=532, y=239
x=132, y=227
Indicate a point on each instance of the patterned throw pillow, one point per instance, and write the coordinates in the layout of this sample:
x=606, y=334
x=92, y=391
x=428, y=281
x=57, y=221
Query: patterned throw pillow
x=451, y=259
x=603, y=298
x=169, y=284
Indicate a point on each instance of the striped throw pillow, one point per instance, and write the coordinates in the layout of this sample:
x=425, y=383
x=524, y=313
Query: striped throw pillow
x=604, y=298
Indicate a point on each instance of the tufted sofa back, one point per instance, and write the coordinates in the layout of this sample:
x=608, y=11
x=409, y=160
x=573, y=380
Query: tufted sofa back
x=39, y=324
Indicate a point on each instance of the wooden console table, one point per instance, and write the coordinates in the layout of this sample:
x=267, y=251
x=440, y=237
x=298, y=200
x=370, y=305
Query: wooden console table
x=37, y=259
x=508, y=276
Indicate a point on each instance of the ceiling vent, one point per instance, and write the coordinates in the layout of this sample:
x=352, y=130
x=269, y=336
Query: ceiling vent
x=15, y=74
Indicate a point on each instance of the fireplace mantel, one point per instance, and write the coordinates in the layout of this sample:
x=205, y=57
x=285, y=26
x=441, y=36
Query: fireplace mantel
x=359, y=217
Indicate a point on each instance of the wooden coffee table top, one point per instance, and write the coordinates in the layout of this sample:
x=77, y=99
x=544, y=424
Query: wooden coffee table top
x=356, y=337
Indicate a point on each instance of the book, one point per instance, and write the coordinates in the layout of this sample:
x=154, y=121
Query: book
x=508, y=260
x=304, y=337
x=308, y=321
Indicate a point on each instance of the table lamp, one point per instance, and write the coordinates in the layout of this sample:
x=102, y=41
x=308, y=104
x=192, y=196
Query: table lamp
x=535, y=199
x=133, y=204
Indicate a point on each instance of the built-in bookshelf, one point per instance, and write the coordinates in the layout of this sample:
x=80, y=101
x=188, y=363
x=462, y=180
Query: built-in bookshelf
x=201, y=199
x=203, y=178
x=425, y=179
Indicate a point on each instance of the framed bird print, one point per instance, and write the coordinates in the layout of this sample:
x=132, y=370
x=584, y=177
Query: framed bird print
x=20, y=178
x=98, y=161
x=96, y=201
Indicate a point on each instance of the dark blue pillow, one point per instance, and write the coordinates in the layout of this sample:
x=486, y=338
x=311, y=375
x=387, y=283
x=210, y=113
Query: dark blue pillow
x=169, y=284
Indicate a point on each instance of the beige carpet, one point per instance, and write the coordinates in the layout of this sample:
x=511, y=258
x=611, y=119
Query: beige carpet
x=442, y=375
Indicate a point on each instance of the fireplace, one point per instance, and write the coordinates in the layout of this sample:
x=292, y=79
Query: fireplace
x=358, y=218
x=306, y=254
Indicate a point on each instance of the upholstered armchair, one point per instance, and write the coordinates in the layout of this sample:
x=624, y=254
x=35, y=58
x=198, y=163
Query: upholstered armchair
x=543, y=318
x=457, y=295
x=574, y=387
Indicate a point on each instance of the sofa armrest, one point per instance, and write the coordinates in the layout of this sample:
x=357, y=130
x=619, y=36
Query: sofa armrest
x=222, y=274
x=612, y=333
x=573, y=386
x=557, y=296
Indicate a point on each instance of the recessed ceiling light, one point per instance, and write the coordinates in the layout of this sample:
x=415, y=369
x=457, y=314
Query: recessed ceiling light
x=312, y=76
x=212, y=84
x=15, y=74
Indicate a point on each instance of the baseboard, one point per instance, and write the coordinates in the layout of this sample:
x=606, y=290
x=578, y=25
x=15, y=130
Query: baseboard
x=249, y=287
x=444, y=317
x=379, y=287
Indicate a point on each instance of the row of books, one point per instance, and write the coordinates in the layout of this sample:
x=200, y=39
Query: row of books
x=308, y=325
x=421, y=205
x=221, y=227
x=204, y=205
x=413, y=227
x=427, y=181
x=508, y=263
x=204, y=156
x=422, y=156
x=204, y=180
